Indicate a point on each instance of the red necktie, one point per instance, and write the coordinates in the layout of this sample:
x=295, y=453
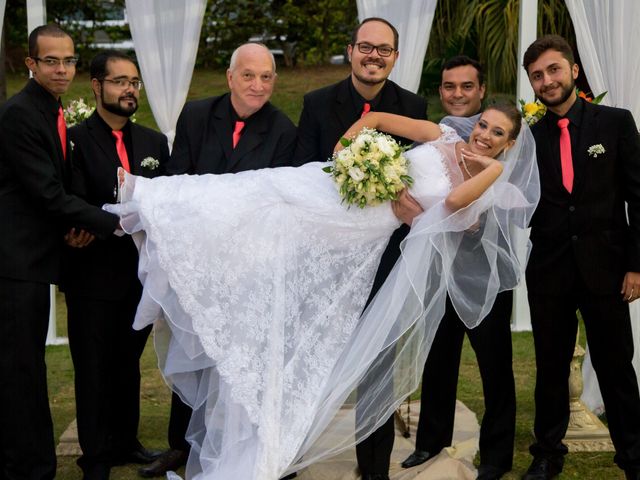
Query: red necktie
x=236, y=132
x=121, y=149
x=566, y=161
x=366, y=108
x=62, y=131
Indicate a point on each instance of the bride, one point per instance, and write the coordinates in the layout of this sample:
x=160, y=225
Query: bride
x=256, y=282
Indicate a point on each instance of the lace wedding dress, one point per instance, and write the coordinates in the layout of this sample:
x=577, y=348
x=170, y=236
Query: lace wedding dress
x=257, y=283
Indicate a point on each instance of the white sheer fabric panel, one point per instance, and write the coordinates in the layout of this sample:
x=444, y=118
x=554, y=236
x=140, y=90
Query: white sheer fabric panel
x=413, y=19
x=166, y=35
x=608, y=37
x=3, y=4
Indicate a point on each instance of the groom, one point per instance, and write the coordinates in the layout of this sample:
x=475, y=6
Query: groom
x=231, y=133
x=462, y=89
x=327, y=114
x=586, y=255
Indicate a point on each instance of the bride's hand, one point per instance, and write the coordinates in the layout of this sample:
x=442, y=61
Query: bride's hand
x=481, y=161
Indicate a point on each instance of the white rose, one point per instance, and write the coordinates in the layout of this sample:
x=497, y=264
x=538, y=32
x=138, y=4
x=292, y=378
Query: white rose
x=356, y=174
x=386, y=146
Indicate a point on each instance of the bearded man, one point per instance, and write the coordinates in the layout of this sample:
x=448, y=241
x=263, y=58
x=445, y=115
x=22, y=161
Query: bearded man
x=101, y=281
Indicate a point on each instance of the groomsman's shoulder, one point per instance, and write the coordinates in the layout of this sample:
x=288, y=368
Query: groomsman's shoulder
x=202, y=106
x=277, y=118
x=150, y=133
x=614, y=113
x=414, y=105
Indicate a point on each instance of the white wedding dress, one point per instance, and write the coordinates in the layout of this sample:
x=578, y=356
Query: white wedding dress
x=257, y=282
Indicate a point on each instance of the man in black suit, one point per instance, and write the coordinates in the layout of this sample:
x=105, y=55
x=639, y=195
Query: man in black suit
x=327, y=114
x=230, y=133
x=35, y=211
x=461, y=92
x=586, y=255
x=101, y=281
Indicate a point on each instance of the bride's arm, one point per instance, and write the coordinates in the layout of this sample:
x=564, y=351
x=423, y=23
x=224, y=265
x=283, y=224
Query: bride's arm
x=416, y=130
x=472, y=188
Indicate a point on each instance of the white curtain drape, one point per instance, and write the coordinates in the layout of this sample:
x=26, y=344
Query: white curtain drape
x=3, y=4
x=413, y=19
x=608, y=38
x=166, y=35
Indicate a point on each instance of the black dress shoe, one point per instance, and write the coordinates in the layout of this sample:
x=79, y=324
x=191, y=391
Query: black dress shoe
x=291, y=475
x=375, y=476
x=170, y=460
x=489, y=472
x=418, y=457
x=139, y=455
x=543, y=468
x=98, y=471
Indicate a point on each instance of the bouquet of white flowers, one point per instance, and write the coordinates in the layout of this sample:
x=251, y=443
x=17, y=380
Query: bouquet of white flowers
x=77, y=111
x=371, y=169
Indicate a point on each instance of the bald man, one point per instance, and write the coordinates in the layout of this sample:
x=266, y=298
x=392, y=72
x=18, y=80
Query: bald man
x=231, y=133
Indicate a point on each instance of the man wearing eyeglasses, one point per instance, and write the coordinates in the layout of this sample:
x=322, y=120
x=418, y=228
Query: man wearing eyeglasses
x=101, y=281
x=327, y=113
x=230, y=133
x=36, y=211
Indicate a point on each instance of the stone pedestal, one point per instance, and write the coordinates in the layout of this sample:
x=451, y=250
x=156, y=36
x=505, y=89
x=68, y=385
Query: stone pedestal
x=68, y=444
x=586, y=433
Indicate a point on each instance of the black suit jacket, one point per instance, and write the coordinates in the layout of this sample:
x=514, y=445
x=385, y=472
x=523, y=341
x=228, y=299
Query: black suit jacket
x=328, y=113
x=203, y=139
x=107, y=268
x=35, y=209
x=587, y=232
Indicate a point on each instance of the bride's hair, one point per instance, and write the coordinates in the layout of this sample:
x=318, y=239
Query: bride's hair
x=512, y=114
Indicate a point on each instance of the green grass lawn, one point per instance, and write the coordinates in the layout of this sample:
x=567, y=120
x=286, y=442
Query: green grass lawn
x=292, y=84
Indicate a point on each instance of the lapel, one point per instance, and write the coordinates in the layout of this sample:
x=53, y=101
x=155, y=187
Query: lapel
x=44, y=103
x=589, y=134
x=137, y=152
x=103, y=140
x=252, y=136
x=546, y=151
x=222, y=129
x=389, y=99
x=344, y=112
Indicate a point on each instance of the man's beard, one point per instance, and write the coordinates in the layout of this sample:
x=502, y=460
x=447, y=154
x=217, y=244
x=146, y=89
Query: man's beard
x=370, y=81
x=566, y=93
x=117, y=109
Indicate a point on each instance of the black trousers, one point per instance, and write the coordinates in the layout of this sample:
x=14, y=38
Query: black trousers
x=374, y=452
x=608, y=328
x=491, y=341
x=106, y=354
x=179, y=418
x=27, y=447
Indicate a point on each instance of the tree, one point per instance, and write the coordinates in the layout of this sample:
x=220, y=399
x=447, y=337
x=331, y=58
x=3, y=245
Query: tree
x=488, y=31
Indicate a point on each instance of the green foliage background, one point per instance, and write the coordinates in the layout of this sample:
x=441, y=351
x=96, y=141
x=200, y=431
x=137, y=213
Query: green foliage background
x=309, y=33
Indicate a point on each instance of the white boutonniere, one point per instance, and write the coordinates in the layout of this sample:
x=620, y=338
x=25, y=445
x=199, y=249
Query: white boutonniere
x=150, y=163
x=595, y=150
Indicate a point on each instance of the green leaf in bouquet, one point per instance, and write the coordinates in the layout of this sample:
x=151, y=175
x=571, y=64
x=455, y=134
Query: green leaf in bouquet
x=345, y=142
x=328, y=169
x=407, y=180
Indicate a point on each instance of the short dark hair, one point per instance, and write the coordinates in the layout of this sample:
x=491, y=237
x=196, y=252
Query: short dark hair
x=396, y=36
x=548, y=42
x=512, y=114
x=48, y=30
x=461, y=61
x=98, y=68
